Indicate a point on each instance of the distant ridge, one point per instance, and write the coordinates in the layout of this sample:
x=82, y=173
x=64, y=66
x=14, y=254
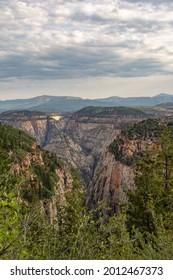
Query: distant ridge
x=46, y=103
x=102, y=112
x=166, y=105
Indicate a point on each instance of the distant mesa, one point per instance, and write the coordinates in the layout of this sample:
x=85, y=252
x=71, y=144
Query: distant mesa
x=102, y=112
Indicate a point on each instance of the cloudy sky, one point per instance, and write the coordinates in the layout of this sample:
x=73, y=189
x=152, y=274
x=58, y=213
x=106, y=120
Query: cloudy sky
x=87, y=48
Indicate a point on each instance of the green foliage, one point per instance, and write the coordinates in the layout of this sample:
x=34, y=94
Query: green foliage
x=15, y=187
x=142, y=231
x=143, y=200
x=145, y=130
x=16, y=140
x=10, y=237
x=150, y=204
x=116, y=148
x=15, y=145
x=103, y=112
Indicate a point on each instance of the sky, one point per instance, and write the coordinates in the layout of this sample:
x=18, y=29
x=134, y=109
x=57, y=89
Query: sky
x=86, y=48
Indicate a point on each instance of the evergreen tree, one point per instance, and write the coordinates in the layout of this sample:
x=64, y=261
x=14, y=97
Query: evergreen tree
x=150, y=204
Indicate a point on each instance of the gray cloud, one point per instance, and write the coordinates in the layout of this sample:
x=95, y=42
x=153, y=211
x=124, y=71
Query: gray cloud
x=149, y=1
x=71, y=39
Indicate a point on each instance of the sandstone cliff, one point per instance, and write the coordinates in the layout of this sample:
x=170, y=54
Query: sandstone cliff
x=110, y=182
x=114, y=174
x=83, y=139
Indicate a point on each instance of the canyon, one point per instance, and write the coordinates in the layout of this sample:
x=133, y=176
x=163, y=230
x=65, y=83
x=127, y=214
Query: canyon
x=82, y=140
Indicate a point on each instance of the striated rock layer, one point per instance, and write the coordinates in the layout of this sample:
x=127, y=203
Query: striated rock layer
x=83, y=141
x=110, y=182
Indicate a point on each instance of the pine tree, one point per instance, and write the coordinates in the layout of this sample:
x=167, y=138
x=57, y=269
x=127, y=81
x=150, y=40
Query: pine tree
x=165, y=172
x=150, y=204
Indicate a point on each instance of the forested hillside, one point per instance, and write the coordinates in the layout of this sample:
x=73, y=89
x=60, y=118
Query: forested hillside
x=33, y=183
x=104, y=112
x=131, y=143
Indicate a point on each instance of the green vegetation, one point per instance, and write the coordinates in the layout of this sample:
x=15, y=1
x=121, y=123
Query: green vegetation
x=116, y=148
x=150, y=205
x=11, y=113
x=104, y=112
x=145, y=130
x=16, y=145
x=158, y=110
x=143, y=229
x=15, y=140
x=9, y=210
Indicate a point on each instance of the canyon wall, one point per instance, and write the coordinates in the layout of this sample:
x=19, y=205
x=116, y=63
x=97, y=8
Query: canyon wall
x=83, y=142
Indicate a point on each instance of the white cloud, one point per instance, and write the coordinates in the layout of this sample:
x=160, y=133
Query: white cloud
x=57, y=39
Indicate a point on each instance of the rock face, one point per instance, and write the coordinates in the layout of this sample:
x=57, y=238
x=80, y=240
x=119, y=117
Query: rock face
x=63, y=184
x=81, y=143
x=114, y=177
x=34, y=163
x=110, y=182
x=114, y=174
x=34, y=123
x=82, y=139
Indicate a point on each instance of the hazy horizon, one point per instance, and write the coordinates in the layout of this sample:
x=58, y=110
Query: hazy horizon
x=83, y=97
x=88, y=48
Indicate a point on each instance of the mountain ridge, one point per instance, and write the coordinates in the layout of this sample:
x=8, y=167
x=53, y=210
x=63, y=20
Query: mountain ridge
x=48, y=103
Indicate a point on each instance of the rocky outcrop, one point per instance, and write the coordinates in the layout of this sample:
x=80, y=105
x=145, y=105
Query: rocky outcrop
x=114, y=174
x=36, y=169
x=63, y=184
x=110, y=183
